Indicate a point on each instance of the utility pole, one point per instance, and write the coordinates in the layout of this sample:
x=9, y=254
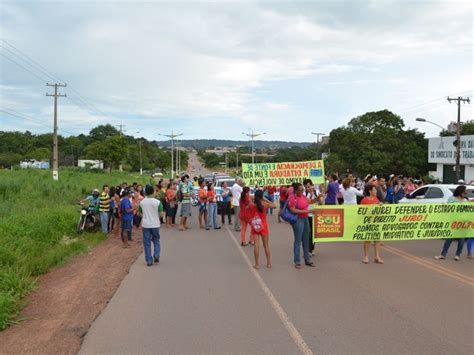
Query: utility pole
x=172, y=136
x=72, y=150
x=252, y=135
x=55, y=127
x=120, y=129
x=317, y=138
x=459, y=99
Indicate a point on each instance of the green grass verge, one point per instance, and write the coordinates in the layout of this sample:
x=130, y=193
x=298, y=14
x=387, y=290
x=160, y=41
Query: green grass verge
x=38, y=218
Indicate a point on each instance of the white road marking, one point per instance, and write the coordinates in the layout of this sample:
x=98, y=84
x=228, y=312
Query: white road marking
x=290, y=327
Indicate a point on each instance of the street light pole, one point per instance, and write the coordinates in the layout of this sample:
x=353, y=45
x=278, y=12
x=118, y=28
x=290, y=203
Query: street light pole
x=140, y=153
x=458, y=135
x=317, y=138
x=252, y=135
x=172, y=136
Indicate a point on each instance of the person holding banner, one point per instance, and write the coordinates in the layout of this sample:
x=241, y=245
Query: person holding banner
x=371, y=199
x=313, y=197
x=298, y=204
x=459, y=196
x=259, y=226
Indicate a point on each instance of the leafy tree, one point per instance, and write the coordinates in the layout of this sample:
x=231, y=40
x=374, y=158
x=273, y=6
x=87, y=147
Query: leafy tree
x=376, y=143
x=102, y=132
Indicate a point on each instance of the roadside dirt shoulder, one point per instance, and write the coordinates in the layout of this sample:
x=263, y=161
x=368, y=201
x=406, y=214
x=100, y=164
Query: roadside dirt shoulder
x=68, y=299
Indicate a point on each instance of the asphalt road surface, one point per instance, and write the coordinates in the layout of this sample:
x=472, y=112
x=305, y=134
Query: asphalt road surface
x=195, y=168
x=204, y=297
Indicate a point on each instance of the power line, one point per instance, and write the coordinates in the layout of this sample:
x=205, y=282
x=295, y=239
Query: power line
x=28, y=62
x=87, y=106
x=21, y=66
x=14, y=113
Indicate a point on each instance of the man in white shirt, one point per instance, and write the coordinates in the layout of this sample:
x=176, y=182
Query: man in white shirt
x=151, y=209
x=236, y=190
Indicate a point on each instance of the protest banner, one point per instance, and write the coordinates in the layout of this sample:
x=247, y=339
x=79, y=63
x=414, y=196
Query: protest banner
x=355, y=223
x=277, y=174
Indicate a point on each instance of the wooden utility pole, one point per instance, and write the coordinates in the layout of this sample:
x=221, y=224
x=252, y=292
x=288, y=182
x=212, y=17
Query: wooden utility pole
x=55, y=127
x=457, y=173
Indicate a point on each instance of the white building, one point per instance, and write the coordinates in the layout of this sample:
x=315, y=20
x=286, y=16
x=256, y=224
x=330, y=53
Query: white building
x=442, y=152
x=91, y=164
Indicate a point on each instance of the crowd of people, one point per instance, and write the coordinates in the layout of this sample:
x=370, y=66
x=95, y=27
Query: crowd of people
x=125, y=207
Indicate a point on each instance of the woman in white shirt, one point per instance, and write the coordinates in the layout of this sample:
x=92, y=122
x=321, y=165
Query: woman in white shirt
x=350, y=193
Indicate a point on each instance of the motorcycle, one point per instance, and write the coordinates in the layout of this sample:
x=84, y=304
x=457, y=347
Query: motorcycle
x=88, y=220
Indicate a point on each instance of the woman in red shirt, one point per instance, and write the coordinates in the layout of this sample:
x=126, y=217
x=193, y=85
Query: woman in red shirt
x=259, y=226
x=245, y=216
x=371, y=199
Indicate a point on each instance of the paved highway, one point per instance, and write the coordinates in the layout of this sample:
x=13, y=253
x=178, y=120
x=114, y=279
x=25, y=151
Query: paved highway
x=205, y=298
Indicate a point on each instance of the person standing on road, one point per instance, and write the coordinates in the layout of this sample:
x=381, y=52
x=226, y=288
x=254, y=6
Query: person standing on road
x=226, y=196
x=111, y=217
x=151, y=209
x=104, y=208
x=298, y=204
x=459, y=196
x=126, y=217
x=371, y=199
x=271, y=190
x=186, y=190
x=236, y=192
x=212, y=208
x=312, y=197
x=202, y=203
x=283, y=197
x=245, y=216
x=171, y=204
x=259, y=226
x=349, y=192
x=332, y=190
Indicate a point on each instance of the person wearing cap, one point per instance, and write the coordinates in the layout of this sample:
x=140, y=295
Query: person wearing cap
x=151, y=209
x=93, y=201
x=126, y=208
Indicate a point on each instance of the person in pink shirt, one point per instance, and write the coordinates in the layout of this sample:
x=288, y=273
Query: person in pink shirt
x=298, y=204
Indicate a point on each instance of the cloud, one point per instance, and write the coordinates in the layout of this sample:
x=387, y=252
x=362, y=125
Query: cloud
x=166, y=64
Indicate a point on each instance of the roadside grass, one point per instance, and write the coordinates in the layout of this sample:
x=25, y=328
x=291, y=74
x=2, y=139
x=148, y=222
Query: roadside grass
x=38, y=218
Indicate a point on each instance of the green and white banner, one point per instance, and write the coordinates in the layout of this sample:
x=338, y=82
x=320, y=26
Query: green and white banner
x=356, y=223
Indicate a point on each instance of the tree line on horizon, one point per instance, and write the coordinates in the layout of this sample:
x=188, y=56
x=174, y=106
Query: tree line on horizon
x=375, y=142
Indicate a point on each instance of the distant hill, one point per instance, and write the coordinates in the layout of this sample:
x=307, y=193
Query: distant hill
x=220, y=143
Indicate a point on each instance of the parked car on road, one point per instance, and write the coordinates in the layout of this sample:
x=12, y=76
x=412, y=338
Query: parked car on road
x=435, y=193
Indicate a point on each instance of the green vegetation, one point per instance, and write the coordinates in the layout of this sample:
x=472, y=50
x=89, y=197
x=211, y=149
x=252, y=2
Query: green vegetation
x=103, y=142
x=38, y=218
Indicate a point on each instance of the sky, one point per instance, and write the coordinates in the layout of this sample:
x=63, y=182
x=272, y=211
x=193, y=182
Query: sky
x=218, y=69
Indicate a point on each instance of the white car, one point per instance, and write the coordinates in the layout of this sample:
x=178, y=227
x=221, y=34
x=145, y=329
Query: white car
x=435, y=193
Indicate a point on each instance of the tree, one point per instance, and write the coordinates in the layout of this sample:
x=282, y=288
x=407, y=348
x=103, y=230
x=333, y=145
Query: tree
x=376, y=143
x=102, y=132
x=9, y=159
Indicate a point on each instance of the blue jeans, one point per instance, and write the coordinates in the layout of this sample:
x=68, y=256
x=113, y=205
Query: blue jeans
x=447, y=244
x=151, y=235
x=271, y=198
x=470, y=244
x=104, y=222
x=212, y=215
x=301, y=234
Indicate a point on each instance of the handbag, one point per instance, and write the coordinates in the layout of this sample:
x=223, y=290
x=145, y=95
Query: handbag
x=287, y=215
